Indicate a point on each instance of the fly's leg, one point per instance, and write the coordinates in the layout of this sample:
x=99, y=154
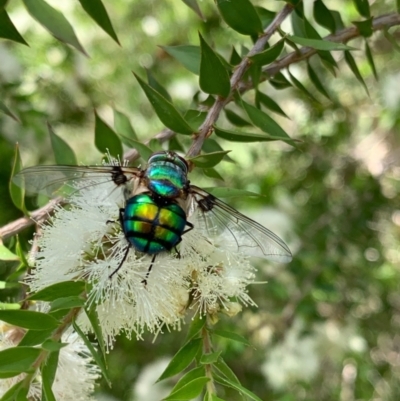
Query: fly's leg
x=191, y=226
x=144, y=281
x=120, y=263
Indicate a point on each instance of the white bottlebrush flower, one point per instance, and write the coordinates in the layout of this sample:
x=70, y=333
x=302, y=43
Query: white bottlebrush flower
x=75, y=376
x=85, y=241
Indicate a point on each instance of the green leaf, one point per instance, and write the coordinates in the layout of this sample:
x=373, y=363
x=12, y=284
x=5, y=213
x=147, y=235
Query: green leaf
x=97, y=11
x=262, y=98
x=4, y=108
x=189, y=377
x=241, y=16
x=105, y=139
x=398, y=6
x=144, y=151
x=195, y=118
x=364, y=27
x=231, y=336
x=67, y=303
x=17, y=193
x=165, y=110
x=53, y=346
x=301, y=87
x=59, y=290
x=226, y=372
x=62, y=151
x=54, y=21
x=264, y=122
x=29, y=319
x=182, y=358
x=212, y=173
x=214, y=78
x=362, y=7
x=15, y=391
x=189, y=56
x=319, y=44
x=123, y=127
x=8, y=285
x=269, y=55
x=323, y=16
x=235, y=119
x=194, y=6
x=157, y=86
x=234, y=136
x=370, y=60
x=279, y=81
x=16, y=360
x=208, y=359
x=298, y=24
x=238, y=387
x=190, y=390
x=209, y=159
x=6, y=254
x=224, y=192
x=235, y=59
x=198, y=322
x=35, y=337
x=265, y=15
x=316, y=81
x=98, y=332
x=96, y=356
x=8, y=30
x=8, y=306
x=48, y=374
x=353, y=66
x=215, y=398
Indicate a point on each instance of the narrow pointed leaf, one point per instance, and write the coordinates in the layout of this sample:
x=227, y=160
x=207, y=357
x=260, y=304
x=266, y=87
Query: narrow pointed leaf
x=264, y=122
x=320, y=44
x=195, y=118
x=188, y=377
x=231, y=336
x=298, y=24
x=14, y=392
x=362, y=7
x=246, y=137
x=269, y=55
x=5, y=109
x=96, y=356
x=189, y=56
x=214, y=78
x=105, y=139
x=181, y=359
x=370, y=60
x=279, y=81
x=323, y=16
x=269, y=103
x=364, y=27
x=96, y=9
x=48, y=374
x=241, y=16
x=59, y=290
x=6, y=254
x=35, y=337
x=235, y=59
x=235, y=119
x=54, y=21
x=189, y=391
x=123, y=127
x=8, y=30
x=195, y=7
x=144, y=151
x=67, y=303
x=18, y=359
x=225, y=371
x=215, y=398
x=62, y=151
x=17, y=192
x=29, y=319
x=208, y=359
x=157, y=86
x=238, y=387
x=316, y=81
x=197, y=324
x=353, y=66
x=302, y=88
x=208, y=160
x=212, y=173
x=95, y=322
x=266, y=16
x=165, y=110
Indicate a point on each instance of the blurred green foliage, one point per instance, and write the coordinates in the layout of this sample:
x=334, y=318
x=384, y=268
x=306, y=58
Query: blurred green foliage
x=327, y=324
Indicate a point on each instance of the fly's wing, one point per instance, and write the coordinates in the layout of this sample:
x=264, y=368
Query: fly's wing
x=221, y=221
x=49, y=179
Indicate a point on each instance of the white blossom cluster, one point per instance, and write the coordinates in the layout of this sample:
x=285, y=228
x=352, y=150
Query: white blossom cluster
x=85, y=241
x=76, y=373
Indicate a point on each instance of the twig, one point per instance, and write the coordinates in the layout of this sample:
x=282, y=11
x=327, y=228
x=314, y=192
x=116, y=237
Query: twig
x=212, y=116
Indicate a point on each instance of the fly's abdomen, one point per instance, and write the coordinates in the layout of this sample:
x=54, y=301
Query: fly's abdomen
x=152, y=227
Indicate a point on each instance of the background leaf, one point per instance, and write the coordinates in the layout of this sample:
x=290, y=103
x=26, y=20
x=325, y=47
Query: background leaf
x=62, y=151
x=105, y=139
x=8, y=30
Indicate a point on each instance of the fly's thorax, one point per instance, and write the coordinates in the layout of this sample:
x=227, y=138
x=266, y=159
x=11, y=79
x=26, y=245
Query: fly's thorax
x=166, y=174
x=153, y=224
